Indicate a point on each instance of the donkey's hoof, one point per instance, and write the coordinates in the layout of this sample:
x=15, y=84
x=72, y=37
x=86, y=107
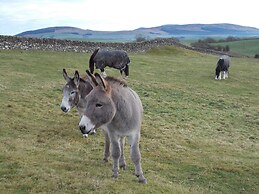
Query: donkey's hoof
x=142, y=179
x=123, y=166
x=115, y=175
x=105, y=159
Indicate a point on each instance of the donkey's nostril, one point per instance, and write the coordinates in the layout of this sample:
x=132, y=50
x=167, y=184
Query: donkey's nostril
x=82, y=129
x=64, y=109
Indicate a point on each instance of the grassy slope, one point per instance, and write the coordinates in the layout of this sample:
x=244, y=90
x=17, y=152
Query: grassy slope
x=198, y=136
x=244, y=47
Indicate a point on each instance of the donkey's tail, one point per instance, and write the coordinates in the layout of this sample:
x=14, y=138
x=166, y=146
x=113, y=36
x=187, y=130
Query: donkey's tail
x=91, y=61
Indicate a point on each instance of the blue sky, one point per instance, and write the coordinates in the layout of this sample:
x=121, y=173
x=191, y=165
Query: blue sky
x=17, y=16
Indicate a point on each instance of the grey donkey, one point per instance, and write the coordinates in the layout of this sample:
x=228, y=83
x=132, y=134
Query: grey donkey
x=74, y=93
x=117, y=109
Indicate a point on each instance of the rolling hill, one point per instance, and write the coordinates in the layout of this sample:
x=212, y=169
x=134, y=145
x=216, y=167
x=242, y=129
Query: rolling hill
x=189, y=31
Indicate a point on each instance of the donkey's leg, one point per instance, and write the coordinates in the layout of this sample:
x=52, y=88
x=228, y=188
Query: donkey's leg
x=115, y=154
x=122, y=158
x=106, y=146
x=136, y=157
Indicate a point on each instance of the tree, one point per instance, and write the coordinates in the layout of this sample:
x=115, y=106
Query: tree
x=227, y=49
x=140, y=38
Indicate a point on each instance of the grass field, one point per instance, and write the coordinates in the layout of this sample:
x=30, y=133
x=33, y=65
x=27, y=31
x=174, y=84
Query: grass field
x=198, y=135
x=244, y=47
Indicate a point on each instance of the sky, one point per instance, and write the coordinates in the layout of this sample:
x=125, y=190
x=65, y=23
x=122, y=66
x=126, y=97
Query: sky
x=17, y=16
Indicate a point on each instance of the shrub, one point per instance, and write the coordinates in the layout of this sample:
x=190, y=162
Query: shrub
x=227, y=49
x=140, y=38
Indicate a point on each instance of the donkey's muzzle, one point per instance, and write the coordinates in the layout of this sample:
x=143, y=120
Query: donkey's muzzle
x=64, y=109
x=83, y=130
x=86, y=126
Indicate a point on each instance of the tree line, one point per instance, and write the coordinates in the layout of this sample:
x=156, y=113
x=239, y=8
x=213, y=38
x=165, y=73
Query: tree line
x=207, y=43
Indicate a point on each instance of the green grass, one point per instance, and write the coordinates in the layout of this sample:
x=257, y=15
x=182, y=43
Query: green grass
x=244, y=47
x=198, y=135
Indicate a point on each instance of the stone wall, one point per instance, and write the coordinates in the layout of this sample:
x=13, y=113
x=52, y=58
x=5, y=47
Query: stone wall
x=14, y=42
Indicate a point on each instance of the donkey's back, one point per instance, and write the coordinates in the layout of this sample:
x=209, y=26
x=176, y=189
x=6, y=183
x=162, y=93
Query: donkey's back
x=129, y=111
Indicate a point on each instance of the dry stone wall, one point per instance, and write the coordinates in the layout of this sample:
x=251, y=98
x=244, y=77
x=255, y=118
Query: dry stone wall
x=14, y=42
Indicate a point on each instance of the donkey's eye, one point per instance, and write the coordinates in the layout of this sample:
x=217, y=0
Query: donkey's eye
x=73, y=92
x=98, y=105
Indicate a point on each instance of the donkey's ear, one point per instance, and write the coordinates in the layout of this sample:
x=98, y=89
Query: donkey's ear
x=76, y=78
x=66, y=77
x=101, y=82
x=91, y=78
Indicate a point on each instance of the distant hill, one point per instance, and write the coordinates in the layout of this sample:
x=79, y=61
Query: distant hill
x=188, y=31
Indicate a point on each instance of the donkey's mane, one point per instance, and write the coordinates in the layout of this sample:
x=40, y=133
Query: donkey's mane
x=83, y=79
x=114, y=80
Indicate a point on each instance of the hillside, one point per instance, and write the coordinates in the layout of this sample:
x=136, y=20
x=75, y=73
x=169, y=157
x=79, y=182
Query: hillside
x=244, y=47
x=193, y=31
x=199, y=135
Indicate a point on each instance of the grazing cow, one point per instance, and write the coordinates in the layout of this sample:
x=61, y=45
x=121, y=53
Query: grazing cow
x=117, y=59
x=222, y=66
